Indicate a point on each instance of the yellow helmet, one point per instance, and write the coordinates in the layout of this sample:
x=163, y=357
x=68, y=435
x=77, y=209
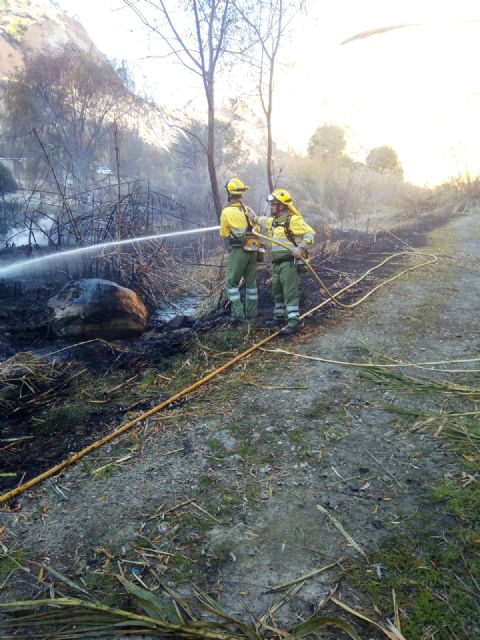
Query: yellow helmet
x=283, y=196
x=235, y=187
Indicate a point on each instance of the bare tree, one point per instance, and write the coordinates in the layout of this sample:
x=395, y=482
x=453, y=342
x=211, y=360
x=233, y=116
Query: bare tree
x=199, y=47
x=268, y=20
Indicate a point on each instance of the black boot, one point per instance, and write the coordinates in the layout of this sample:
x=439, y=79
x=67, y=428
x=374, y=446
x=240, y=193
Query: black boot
x=274, y=322
x=288, y=331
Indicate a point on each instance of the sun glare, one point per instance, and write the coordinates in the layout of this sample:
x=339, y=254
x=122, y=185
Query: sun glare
x=413, y=88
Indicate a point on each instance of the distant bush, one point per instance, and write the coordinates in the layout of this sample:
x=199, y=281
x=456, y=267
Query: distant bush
x=17, y=27
x=7, y=181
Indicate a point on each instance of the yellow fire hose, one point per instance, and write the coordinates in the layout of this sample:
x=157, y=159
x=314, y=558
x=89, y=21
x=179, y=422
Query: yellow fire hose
x=184, y=392
x=323, y=286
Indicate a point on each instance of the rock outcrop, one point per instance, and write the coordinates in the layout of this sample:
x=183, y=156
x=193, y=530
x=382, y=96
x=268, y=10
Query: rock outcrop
x=96, y=308
x=32, y=29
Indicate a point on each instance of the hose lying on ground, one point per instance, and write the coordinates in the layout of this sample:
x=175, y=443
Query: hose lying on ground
x=184, y=392
x=333, y=296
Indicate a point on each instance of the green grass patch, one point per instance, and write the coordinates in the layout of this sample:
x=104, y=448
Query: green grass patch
x=296, y=436
x=433, y=565
x=104, y=586
x=205, y=482
x=69, y=416
x=150, y=378
x=232, y=501
x=215, y=444
x=12, y=562
x=434, y=568
x=319, y=407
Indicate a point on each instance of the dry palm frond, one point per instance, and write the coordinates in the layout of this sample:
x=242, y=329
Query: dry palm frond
x=407, y=412
x=378, y=31
x=392, y=27
x=32, y=382
x=25, y=374
x=342, y=530
x=399, y=381
x=24, y=366
x=391, y=632
x=459, y=433
x=171, y=616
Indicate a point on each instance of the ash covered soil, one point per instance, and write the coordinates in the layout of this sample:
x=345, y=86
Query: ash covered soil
x=237, y=489
x=59, y=396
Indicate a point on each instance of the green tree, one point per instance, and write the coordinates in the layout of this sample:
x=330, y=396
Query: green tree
x=190, y=146
x=189, y=153
x=327, y=144
x=384, y=160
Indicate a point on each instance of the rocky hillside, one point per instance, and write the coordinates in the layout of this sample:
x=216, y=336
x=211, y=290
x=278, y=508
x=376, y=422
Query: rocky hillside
x=28, y=28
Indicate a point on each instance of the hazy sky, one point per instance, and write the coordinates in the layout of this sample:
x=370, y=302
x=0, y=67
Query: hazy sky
x=416, y=89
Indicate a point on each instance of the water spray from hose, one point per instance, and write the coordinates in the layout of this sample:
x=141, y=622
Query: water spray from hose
x=13, y=269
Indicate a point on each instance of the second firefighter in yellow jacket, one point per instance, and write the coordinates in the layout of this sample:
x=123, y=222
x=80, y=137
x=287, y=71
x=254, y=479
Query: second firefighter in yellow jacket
x=293, y=237
x=236, y=227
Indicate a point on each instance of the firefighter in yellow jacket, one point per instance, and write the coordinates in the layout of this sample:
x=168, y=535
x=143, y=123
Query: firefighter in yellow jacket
x=236, y=227
x=286, y=226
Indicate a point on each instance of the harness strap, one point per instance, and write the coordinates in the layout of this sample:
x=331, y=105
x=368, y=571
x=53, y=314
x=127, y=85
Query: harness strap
x=240, y=242
x=286, y=227
x=244, y=211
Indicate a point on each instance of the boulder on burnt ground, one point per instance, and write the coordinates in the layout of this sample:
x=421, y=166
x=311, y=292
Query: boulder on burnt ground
x=96, y=308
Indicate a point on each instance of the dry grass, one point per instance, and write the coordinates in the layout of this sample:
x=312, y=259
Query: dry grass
x=165, y=614
x=26, y=375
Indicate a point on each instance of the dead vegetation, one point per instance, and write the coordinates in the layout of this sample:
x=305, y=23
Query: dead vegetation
x=168, y=614
x=158, y=270
x=192, y=515
x=27, y=379
x=85, y=388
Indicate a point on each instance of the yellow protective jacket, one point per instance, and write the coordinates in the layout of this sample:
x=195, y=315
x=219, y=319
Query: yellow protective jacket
x=276, y=230
x=235, y=226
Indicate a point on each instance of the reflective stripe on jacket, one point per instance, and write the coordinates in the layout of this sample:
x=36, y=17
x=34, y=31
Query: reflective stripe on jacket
x=233, y=221
x=298, y=227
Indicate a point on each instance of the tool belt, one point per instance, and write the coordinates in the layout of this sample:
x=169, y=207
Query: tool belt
x=284, y=259
x=296, y=261
x=233, y=241
x=245, y=242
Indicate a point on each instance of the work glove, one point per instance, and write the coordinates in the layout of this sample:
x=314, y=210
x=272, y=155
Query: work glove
x=301, y=250
x=252, y=216
x=297, y=252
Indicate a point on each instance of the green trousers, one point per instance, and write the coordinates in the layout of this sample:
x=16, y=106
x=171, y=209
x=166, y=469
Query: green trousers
x=285, y=284
x=242, y=264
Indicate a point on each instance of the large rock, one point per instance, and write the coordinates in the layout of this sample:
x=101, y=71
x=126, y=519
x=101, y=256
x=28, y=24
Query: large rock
x=95, y=308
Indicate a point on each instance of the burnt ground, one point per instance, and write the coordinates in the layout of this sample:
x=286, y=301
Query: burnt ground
x=38, y=416
x=225, y=489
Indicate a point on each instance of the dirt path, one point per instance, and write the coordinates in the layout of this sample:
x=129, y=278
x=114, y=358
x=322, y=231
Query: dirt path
x=226, y=491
